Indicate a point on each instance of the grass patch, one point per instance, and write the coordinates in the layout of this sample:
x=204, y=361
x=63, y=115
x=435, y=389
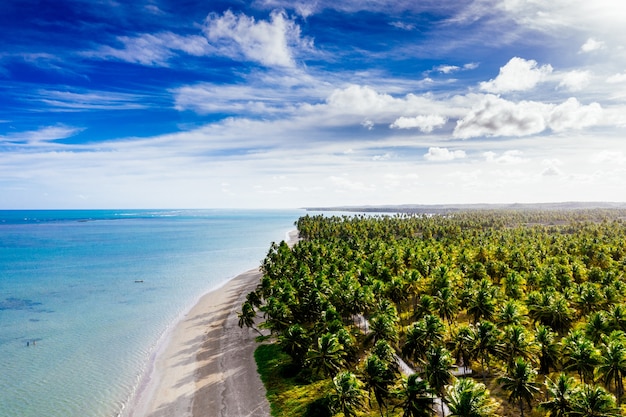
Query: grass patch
x=287, y=395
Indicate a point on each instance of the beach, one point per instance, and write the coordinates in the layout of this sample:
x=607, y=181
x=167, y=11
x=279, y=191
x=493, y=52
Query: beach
x=207, y=366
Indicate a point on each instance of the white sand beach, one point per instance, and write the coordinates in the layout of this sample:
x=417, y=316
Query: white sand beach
x=207, y=367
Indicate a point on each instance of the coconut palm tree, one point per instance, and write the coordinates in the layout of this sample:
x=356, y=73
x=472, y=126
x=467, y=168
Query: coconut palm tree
x=597, y=326
x=548, y=349
x=466, y=398
x=295, y=342
x=327, y=356
x=519, y=381
x=460, y=345
x=347, y=395
x=612, y=368
x=438, y=369
x=447, y=304
x=416, y=398
x=485, y=343
x=378, y=378
x=515, y=343
x=247, y=316
x=421, y=335
x=560, y=392
x=593, y=401
x=580, y=355
x=483, y=304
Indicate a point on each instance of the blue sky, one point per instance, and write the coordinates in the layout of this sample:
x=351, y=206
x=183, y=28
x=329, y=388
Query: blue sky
x=276, y=103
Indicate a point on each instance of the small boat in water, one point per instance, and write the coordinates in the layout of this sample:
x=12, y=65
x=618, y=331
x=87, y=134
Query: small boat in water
x=139, y=280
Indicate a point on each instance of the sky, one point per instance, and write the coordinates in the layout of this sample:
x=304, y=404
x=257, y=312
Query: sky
x=290, y=103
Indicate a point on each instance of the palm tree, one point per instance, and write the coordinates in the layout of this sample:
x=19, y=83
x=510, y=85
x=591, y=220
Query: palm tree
x=510, y=314
x=347, y=395
x=422, y=334
x=327, y=357
x=580, y=355
x=514, y=344
x=378, y=378
x=460, y=345
x=593, y=401
x=597, y=326
x=416, y=398
x=560, y=394
x=387, y=354
x=612, y=368
x=483, y=304
x=485, y=343
x=295, y=342
x=548, y=349
x=437, y=369
x=467, y=398
x=520, y=383
x=247, y=316
x=617, y=317
x=446, y=303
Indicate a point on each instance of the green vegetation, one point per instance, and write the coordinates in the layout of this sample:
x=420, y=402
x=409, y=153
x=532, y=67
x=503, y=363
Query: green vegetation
x=533, y=303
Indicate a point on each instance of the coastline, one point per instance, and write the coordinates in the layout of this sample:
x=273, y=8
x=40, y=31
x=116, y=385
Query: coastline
x=204, y=366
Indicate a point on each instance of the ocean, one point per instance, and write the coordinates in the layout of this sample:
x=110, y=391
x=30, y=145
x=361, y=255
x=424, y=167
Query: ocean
x=86, y=296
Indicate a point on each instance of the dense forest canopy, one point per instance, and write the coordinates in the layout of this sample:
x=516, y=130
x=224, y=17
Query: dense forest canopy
x=503, y=312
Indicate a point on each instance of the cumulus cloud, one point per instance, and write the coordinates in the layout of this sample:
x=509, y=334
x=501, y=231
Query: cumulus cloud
x=575, y=80
x=425, y=124
x=517, y=75
x=437, y=154
x=153, y=49
x=591, y=45
x=573, y=115
x=356, y=98
x=494, y=116
x=269, y=43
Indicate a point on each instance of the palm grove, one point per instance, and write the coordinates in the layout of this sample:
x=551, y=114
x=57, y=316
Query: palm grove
x=498, y=313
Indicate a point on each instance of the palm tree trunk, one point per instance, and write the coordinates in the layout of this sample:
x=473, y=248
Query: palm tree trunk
x=521, y=406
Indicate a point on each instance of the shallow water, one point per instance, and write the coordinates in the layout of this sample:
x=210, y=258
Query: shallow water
x=68, y=290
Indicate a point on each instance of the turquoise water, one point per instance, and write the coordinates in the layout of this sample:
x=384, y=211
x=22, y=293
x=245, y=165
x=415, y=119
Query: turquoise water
x=76, y=330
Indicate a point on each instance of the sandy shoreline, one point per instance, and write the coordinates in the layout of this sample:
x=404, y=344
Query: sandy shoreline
x=206, y=367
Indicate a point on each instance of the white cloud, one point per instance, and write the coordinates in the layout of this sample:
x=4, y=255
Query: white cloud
x=573, y=115
x=153, y=49
x=44, y=134
x=517, y=75
x=437, y=154
x=270, y=43
x=447, y=69
x=368, y=124
x=591, y=45
x=494, y=116
x=617, y=78
x=88, y=100
x=508, y=157
x=356, y=98
x=425, y=124
x=575, y=80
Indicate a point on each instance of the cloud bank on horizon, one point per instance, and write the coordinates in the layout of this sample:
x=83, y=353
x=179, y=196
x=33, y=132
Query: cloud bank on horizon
x=275, y=103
